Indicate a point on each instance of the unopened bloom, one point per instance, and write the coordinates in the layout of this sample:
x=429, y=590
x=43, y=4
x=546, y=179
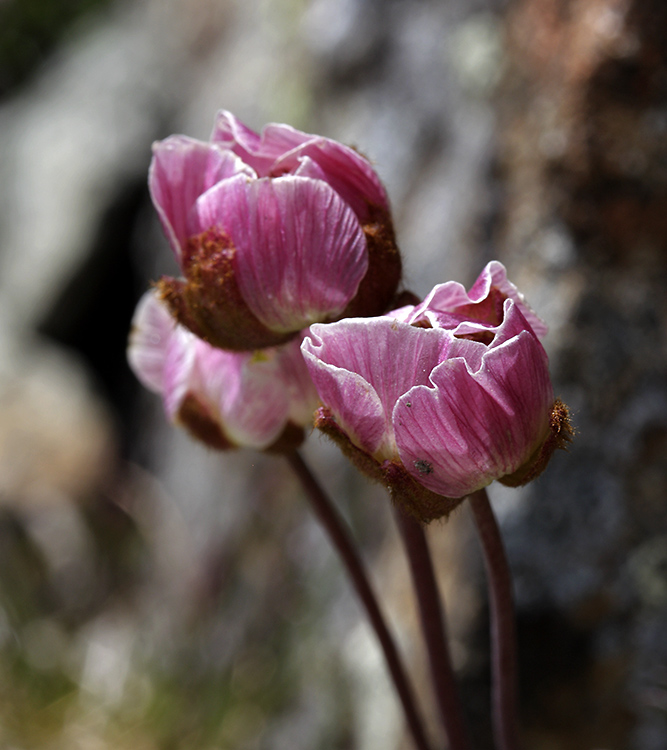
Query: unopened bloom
x=225, y=399
x=447, y=396
x=271, y=232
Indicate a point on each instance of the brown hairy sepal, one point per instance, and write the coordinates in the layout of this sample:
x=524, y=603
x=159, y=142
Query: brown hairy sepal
x=413, y=497
x=198, y=421
x=378, y=287
x=325, y=421
x=559, y=436
x=208, y=301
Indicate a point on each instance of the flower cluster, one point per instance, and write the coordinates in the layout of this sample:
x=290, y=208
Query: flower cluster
x=287, y=252
x=272, y=232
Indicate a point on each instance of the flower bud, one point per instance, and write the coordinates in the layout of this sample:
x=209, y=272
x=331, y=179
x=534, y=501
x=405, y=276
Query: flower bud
x=448, y=395
x=272, y=233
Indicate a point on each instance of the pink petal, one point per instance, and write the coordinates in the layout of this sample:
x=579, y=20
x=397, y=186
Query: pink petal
x=513, y=324
x=450, y=306
x=231, y=133
x=352, y=400
x=357, y=370
x=348, y=173
x=282, y=149
x=150, y=334
x=279, y=139
x=439, y=306
x=246, y=392
x=494, y=275
x=402, y=314
x=308, y=168
x=301, y=253
x=259, y=152
x=471, y=427
x=181, y=170
x=179, y=371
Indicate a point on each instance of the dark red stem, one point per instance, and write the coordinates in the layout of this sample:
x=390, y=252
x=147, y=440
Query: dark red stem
x=503, y=631
x=340, y=537
x=433, y=628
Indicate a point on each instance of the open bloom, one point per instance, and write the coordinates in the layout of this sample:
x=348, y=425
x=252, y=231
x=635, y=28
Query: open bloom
x=452, y=393
x=225, y=399
x=272, y=233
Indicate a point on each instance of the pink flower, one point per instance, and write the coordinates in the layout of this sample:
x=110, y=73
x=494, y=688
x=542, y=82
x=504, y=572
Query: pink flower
x=225, y=399
x=450, y=394
x=272, y=233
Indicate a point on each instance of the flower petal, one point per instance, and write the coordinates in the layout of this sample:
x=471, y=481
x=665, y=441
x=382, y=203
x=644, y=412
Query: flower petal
x=494, y=276
x=439, y=306
x=260, y=152
x=179, y=371
x=349, y=174
x=181, y=170
x=360, y=366
x=353, y=401
x=513, y=324
x=246, y=398
x=150, y=334
x=301, y=253
x=470, y=428
x=281, y=149
x=450, y=306
x=245, y=391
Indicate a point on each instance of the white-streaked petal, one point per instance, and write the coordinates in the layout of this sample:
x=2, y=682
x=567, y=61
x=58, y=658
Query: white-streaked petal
x=361, y=366
x=181, y=170
x=151, y=331
x=300, y=251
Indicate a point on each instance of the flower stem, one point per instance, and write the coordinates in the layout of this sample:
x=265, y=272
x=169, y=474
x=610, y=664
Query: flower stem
x=503, y=635
x=340, y=537
x=433, y=628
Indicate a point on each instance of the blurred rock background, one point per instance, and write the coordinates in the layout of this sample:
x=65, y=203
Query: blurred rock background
x=155, y=595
